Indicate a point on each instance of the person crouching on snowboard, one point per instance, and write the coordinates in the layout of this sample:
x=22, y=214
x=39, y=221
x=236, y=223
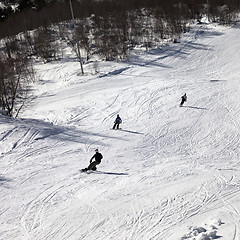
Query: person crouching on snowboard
x=117, y=121
x=184, y=99
x=98, y=157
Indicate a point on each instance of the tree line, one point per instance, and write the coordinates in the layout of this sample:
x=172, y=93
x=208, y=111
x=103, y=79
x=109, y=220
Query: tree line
x=106, y=28
x=33, y=14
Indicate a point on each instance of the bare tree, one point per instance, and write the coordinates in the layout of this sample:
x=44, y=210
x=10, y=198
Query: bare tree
x=83, y=31
x=45, y=45
x=16, y=73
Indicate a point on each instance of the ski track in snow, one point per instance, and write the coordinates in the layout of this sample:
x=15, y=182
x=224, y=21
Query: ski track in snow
x=170, y=173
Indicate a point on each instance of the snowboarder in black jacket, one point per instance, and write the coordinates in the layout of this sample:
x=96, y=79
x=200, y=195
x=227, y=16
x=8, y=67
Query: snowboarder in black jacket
x=117, y=121
x=98, y=157
x=184, y=99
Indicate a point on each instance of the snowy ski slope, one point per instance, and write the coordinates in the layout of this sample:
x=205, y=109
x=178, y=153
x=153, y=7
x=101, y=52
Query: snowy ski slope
x=170, y=173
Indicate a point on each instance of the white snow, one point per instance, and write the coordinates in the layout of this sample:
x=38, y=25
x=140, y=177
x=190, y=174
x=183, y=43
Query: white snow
x=170, y=173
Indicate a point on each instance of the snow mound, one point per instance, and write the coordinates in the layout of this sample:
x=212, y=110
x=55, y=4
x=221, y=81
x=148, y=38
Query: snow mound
x=208, y=232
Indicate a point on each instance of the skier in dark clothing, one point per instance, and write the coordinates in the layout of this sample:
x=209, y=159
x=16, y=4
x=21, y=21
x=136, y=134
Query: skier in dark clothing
x=184, y=99
x=98, y=157
x=117, y=121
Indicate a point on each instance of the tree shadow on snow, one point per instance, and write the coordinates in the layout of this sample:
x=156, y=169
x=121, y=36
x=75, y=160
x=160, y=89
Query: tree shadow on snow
x=46, y=130
x=115, y=72
x=195, y=107
x=4, y=180
x=169, y=50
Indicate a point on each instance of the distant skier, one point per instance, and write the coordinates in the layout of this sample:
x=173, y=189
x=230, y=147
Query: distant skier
x=98, y=157
x=184, y=99
x=117, y=121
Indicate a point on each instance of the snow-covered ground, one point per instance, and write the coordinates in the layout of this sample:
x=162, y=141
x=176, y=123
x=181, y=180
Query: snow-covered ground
x=170, y=173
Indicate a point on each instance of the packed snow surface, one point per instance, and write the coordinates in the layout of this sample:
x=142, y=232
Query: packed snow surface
x=170, y=173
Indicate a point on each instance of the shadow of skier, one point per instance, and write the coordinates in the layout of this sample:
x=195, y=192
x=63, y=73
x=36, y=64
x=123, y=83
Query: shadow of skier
x=124, y=130
x=195, y=107
x=111, y=173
